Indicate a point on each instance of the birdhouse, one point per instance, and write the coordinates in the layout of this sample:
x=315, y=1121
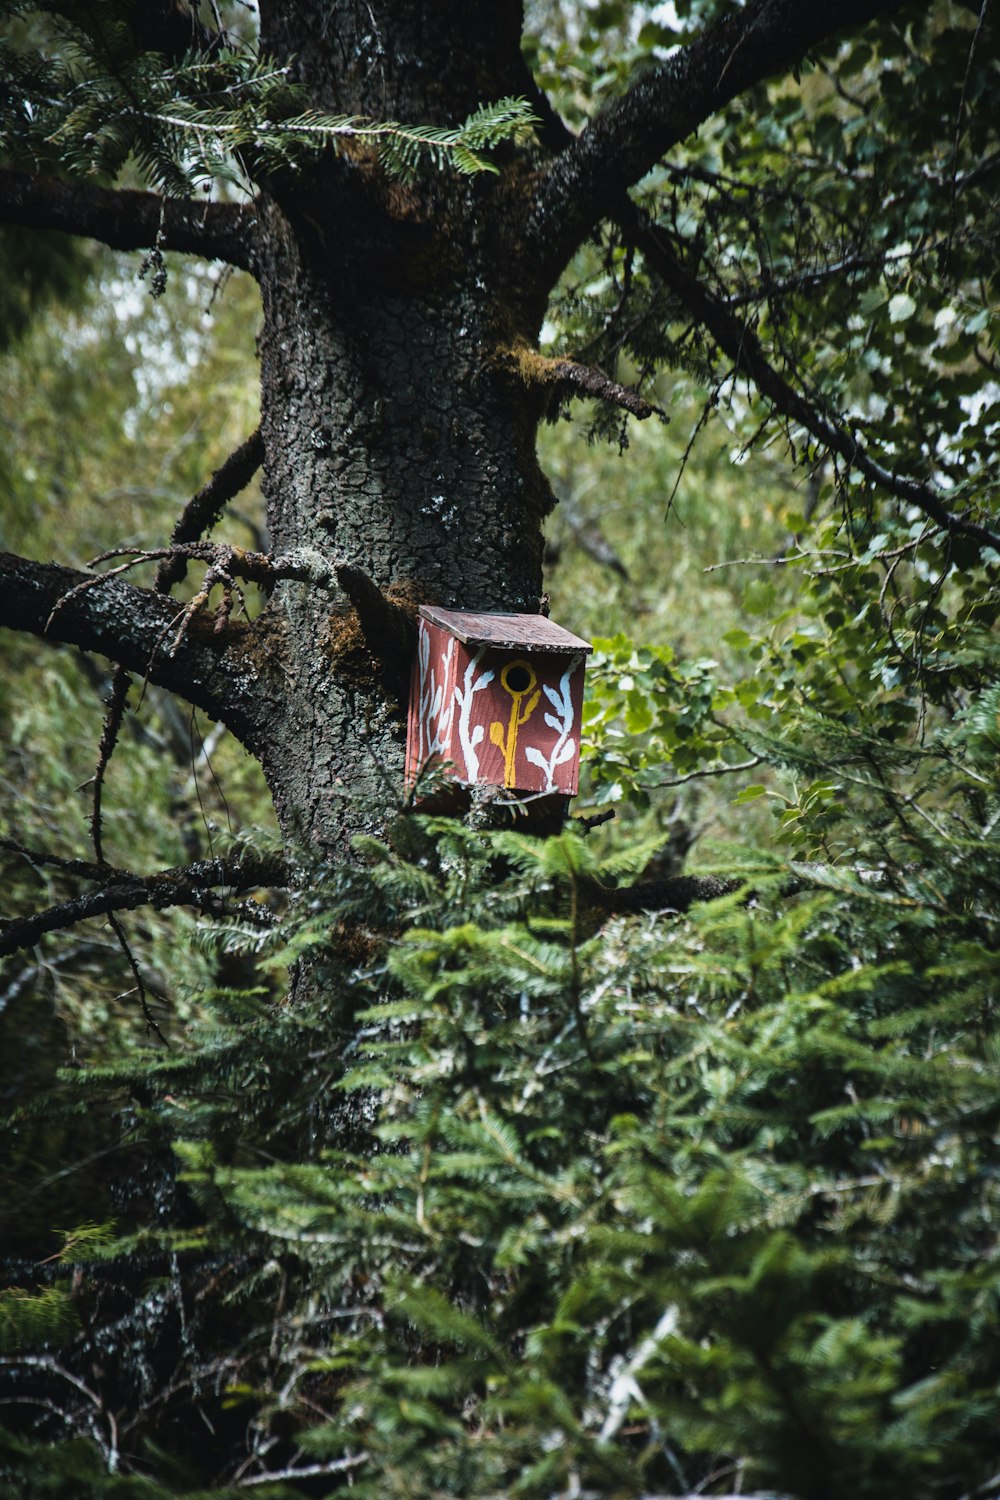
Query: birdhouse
x=500, y=697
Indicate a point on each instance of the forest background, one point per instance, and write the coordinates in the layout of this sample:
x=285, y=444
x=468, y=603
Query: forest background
x=653, y=1196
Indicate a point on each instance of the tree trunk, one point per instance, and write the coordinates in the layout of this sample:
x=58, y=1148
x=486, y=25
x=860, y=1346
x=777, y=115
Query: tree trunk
x=399, y=422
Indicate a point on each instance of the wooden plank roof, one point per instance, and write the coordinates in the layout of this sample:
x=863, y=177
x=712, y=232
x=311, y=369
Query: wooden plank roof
x=505, y=632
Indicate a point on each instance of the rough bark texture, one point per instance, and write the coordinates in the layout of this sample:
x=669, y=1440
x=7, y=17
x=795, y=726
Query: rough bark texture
x=398, y=438
x=399, y=428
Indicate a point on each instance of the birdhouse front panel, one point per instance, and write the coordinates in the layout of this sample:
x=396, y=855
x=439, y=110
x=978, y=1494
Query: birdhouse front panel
x=499, y=696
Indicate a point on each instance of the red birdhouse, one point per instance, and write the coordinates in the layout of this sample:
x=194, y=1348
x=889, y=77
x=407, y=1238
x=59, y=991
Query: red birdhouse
x=499, y=696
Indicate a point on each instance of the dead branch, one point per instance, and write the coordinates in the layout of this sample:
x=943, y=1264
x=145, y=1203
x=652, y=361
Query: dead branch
x=537, y=369
x=186, y=885
x=226, y=563
x=204, y=509
x=592, y=382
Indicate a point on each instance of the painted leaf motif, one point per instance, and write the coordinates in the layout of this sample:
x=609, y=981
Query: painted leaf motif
x=536, y=757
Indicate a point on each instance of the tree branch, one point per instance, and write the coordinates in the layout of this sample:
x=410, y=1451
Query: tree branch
x=135, y=627
x=204, y=509
x=186, y=885
x=739, y=343
x=669, y=102
x=537, y=369
x=676, y=893
x=128, y=220
x=592, y=382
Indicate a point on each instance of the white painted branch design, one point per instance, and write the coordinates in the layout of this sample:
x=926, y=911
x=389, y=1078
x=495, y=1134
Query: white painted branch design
x=434, y=709
x=469, y=736
x=561, y=721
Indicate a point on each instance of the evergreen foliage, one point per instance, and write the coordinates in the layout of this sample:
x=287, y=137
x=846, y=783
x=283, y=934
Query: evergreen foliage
x=84, y=97
x=646, y=1204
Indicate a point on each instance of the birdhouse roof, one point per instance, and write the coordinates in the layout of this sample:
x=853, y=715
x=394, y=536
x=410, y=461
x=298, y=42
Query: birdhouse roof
x=506, y=632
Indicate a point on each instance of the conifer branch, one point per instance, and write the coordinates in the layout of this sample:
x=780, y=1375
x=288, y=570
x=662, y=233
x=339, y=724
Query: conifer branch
x=401, y=147
x=127, y=220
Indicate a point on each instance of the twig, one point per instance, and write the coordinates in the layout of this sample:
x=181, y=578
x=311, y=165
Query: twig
x=226, y=562
x=81, y=867
x=308, y=1471
x=140, y=987
x=743, y=765
x=960, y=120
x=586, y=824
x=117, y=700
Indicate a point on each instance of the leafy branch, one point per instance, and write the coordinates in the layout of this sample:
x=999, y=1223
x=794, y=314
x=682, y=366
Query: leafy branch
x=740, y=343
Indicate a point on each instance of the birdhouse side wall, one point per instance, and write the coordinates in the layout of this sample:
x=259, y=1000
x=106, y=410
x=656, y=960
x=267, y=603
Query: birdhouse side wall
x=432, y=700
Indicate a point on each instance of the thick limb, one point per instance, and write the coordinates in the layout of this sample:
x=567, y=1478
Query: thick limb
x=135, y=628
x=127, y=220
